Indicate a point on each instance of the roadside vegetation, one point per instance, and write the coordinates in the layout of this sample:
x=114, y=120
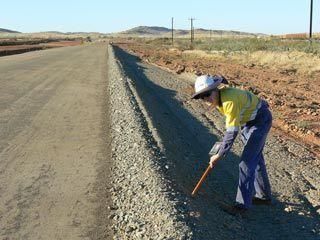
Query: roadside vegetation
x=296, y=55
x=236, y=44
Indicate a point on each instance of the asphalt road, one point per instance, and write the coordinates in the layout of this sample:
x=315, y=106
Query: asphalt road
x=54, y=144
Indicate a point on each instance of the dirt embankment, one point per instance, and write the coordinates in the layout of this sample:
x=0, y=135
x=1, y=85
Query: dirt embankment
x=293, y=97
x=17, y=47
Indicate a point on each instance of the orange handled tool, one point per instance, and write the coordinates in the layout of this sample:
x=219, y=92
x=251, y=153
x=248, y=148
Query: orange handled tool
x=204, y=175
x=213, y=151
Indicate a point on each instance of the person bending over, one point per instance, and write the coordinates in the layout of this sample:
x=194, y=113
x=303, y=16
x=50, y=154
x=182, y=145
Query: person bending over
x=245, y=113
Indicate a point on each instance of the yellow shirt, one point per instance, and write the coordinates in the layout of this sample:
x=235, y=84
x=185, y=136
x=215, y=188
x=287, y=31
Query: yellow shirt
x=239, y=107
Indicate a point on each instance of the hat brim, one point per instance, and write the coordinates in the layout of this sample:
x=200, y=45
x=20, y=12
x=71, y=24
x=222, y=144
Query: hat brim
x=198, y=94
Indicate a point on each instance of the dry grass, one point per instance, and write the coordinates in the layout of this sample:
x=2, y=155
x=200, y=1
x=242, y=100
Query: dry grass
x=298, y=56
x=302, y=62
x=297, y=61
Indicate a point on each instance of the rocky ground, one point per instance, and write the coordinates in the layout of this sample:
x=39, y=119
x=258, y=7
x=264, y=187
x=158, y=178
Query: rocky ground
x=160, y=141
x=143, y=207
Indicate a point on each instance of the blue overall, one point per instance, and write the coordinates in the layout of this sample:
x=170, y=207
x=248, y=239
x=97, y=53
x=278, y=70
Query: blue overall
x=253, y=177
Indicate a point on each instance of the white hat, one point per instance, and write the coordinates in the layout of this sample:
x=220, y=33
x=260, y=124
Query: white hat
x=206, y=83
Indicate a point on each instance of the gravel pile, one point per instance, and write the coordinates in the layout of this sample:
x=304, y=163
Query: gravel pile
x=143, y=206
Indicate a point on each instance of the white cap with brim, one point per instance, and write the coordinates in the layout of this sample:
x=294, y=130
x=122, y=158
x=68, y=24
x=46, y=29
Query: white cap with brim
x=206, y=83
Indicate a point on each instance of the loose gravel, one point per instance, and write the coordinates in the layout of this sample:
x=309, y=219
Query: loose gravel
x=143, y=206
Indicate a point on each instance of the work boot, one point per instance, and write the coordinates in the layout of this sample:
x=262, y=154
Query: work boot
x=235, y=210
x=261, y=201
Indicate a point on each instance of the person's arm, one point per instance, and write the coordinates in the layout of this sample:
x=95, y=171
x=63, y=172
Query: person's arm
x=226, y=145
x=227, y=142
x=233, y=126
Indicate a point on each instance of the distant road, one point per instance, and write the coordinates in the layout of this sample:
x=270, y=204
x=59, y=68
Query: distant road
x=54, y=139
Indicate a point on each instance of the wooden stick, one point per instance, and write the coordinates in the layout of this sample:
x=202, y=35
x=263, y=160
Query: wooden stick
x=195, y=190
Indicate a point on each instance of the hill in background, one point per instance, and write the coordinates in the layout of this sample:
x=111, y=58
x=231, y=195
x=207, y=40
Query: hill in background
x=141, y=31
x=146, y=31
x=3, y=30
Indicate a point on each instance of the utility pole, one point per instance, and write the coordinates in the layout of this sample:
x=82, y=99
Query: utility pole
x=191, y=30
x=311, y=10
x=172, y=31
x=191, y=19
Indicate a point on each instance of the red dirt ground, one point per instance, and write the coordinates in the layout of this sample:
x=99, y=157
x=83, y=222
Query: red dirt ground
x=294, y=98
x=16, y=49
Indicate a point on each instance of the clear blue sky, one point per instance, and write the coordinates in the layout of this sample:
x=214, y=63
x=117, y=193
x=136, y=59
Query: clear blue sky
x=264, y=16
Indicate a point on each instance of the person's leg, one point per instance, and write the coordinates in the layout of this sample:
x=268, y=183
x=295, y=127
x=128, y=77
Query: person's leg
x=247, y=167
x=245, y=134
x=254, y=138
x=261, y=182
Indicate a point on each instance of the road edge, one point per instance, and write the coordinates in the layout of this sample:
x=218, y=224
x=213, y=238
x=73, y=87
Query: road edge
x=142, y=204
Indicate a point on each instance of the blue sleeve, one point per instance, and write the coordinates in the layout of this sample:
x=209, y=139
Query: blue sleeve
x=227, y=142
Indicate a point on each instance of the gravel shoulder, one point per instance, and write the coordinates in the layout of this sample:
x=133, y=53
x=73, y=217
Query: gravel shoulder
x=160, y=141
x=143, y=206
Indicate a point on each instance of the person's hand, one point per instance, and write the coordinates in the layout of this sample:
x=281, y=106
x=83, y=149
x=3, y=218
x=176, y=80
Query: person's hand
x=214, y=159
